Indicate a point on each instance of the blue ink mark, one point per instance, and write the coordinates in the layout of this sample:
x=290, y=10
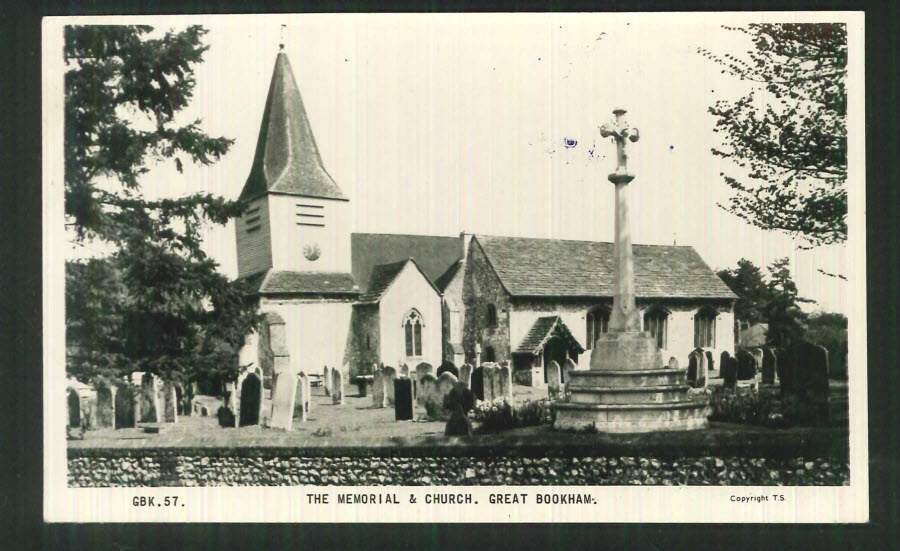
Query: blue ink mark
x=539, y=59
x=569, y=143
x=671, y=147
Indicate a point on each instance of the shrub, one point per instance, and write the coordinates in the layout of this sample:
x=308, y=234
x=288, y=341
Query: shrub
x=503, y=415
x=750, y=408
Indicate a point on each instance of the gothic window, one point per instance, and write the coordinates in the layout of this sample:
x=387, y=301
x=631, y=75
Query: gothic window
x=491, y=315
x=412, y=328
x=656, y=323
x=705, y=328
x=597, y=323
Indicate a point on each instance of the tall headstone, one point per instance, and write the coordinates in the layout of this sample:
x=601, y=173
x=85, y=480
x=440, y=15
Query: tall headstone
x=768, y=367
x=702, y=367
x=105, y=407
x=421, y=370
x=477, y=384
x=710, y=363
x=747, y=366
x=284, y=395
x=326, y=377
x=804, y=383
x=693, y=370
x=445, y=384
x=431, y=396
x=465, y=375
x=404, y=371
x=490, y=376
x=378, y=396
x=505, y=380
x=459, y=402
x=170, y=402
x=250, y=398
x=758, y=355
x=554, y=381
x=149, y=400
x=337, y=386
x=125, y=406
x=722, y=358
x=729, y=371
x=403, y=399
x=301, y=397
x=73, y=408
x=388, y=374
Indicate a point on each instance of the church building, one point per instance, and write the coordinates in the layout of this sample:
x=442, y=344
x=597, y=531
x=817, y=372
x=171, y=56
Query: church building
x=352, y=300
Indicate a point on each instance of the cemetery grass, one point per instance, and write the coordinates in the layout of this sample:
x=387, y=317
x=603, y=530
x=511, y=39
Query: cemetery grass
x=357, y=427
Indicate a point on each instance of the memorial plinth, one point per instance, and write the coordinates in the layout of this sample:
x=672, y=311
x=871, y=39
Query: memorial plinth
x=627, y=388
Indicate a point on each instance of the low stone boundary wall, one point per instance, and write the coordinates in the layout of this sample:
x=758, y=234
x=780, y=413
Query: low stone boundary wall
x=206, y=467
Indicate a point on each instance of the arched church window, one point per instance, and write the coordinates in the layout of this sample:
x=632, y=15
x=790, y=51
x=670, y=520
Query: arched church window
x=412, y=328
x=491, y=315
x=597, y=323
x=705, y=328
x=656, y=323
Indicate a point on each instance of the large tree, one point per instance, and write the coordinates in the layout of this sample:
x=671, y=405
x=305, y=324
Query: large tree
x=787, y=322
x=747, y=282
x=787, y=137
x=157, y=303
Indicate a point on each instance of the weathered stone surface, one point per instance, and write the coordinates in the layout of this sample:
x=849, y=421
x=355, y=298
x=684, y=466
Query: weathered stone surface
x=729, y=371
x=403, y=399
x=693, y=370
x=388, y=374
x=459, y=402
x=105, y=407
x=73, y=408
x=421, y=370
x=378, y=395
x=250, y=399
x=337, y=386
x=432, y=400
x=702, y=369
x=326, y=378
x=301, y=397
x=673, y=363
x=404, y=371
x=445, y=384
x=149, y=399
x=465, y=375
x=226, y=418
x=284, y=395
x=448, y=367
x=170, y=402
x=490, y=382
x=126, y=402
x=566, y=370
x=477, y=382
x=504, y=378
x=710, y=363
x=554, y=381
x=804, y=383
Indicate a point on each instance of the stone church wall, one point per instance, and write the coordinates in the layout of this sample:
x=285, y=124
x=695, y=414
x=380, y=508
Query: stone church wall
x=480, y=288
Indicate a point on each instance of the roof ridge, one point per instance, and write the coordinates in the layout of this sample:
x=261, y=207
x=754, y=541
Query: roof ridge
x=557, y=239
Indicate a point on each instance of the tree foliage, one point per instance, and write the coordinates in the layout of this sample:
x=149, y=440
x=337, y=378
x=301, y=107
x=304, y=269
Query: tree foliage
x=786, y=320
x=747, y=282
x=157, y=303
x=788, y=137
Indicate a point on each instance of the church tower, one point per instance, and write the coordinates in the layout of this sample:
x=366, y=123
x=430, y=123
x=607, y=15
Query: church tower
x=298, y=219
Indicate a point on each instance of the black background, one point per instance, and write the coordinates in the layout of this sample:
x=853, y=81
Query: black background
x=21, y=371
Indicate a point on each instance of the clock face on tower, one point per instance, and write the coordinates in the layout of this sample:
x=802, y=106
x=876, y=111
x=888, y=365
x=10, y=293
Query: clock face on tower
x=312, y=251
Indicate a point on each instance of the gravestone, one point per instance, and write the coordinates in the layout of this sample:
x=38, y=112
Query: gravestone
x=404, y=371
x=388, y=374
x=504, y=377
x=693, y=368
x=105, y=414
x=758, y=355
x=566, y=370
x=326, y=377
x=337, y=386
x=710, y=362
x=804, y=383
x=702, y=368
x=403, y=399
x=768, y=367
x=301, y=397
x=673, y=363
x=148, y=398
x=170, y=402
x=431, y=396
x=722, y=358
x=747, y=366
x=284, y=393
x=490, y=382
x=448, y=367
x=225, y=417
x=421, y=370
x=125, y=406
x=459, y=402
x=378, y=395
x=73, y=408
x=554, y=381
x=729, y=371
x=477, y=383
x=445, y=384
x=465, y=375
x=250, y=400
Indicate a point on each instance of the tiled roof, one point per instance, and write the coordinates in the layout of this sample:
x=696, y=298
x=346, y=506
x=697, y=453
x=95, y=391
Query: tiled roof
x=287, y=159
x=447, y=276
x=308, y=283
x=434, y=255
x=542, y=329
x=555, y=267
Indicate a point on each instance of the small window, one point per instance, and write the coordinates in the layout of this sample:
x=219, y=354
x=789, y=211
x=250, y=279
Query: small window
x=412, y=329
x=491, y=315
x=597, y=323
x=489, y=355
x=705, y=328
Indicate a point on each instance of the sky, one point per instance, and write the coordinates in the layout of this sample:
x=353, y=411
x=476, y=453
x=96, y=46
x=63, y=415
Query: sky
x=441, y=124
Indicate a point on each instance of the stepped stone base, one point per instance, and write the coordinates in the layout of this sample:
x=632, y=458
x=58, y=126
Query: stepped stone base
x=627, y=390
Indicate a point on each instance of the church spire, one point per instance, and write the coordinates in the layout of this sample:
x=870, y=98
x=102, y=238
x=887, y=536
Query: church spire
x=287, y=159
